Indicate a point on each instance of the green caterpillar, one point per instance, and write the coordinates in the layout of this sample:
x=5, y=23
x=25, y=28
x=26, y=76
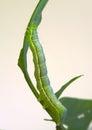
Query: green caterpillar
x=47, y=96
x=44, y=92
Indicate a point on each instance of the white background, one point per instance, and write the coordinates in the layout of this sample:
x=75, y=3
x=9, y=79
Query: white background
x=66, y=35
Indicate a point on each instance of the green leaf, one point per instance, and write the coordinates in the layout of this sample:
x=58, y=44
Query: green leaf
x=79, y=113
x=22, y=63
x=60, y=91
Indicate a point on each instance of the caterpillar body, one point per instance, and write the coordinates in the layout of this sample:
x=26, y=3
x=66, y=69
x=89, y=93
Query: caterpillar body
x=44, y=92
x=47, y=97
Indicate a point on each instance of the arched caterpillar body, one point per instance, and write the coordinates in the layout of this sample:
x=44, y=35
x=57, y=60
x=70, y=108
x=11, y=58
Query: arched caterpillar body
x=45, y=95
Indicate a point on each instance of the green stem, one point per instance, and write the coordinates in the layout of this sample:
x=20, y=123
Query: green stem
x=59, y=127
x=37, y=14
x=22, y=61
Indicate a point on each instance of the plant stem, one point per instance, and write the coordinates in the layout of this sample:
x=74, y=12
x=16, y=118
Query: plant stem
x=59, y=127
x=37, y=14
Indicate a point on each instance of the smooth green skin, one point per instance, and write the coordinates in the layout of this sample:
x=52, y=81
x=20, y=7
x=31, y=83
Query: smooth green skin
x=47, y=98
x=43, y=92
x=45, y=95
